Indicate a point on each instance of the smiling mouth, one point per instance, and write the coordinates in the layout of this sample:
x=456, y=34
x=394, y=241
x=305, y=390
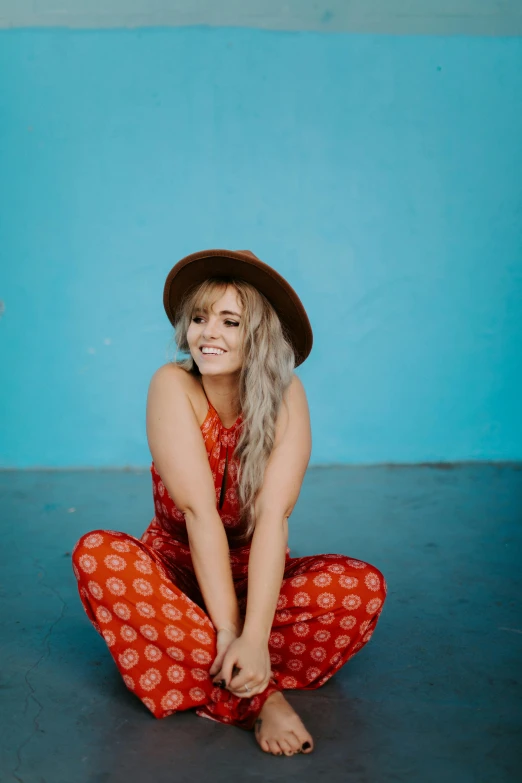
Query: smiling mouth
x=209, y=353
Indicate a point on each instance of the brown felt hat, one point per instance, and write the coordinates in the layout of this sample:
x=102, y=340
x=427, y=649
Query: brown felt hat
x=197, y=267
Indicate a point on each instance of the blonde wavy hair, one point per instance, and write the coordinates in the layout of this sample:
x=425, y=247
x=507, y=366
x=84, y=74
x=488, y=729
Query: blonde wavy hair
x=266, y=373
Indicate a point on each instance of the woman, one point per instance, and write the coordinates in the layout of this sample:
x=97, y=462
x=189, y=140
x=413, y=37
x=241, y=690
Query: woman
x=208, y=610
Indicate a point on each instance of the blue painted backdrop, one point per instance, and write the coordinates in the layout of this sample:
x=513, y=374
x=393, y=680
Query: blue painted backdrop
x=380, y=174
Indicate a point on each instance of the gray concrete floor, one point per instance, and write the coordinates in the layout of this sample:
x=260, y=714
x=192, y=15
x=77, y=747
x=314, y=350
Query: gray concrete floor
x=435, y=696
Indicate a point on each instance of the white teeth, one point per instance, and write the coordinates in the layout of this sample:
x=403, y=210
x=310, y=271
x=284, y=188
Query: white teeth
x=215, y=351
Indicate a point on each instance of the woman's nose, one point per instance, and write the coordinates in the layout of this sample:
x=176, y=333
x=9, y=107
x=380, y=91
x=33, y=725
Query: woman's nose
x=210, y=329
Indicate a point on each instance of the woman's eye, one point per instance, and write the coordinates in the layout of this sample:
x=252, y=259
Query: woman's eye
x=198, y=318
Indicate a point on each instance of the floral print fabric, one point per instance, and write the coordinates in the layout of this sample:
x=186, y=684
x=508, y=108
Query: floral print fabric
x=142, y=597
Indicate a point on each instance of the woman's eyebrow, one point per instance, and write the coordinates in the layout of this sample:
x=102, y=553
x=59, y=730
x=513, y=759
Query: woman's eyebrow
x=222, y=312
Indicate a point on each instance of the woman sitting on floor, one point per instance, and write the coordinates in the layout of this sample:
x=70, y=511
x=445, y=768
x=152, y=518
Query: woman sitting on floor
x=207, y=610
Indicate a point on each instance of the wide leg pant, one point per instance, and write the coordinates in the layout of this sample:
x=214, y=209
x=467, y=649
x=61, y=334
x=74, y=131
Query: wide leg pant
x=142, y=596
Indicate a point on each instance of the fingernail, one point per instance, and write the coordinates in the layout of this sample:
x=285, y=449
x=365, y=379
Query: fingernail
x=221, y=683
x=305, y=745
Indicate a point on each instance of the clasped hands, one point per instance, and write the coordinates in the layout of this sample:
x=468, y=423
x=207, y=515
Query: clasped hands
x=241, y=665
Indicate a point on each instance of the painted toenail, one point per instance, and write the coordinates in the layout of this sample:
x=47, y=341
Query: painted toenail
x=305, y=745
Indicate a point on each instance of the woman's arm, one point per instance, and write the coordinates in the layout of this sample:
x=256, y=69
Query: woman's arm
x=282, y=481
x=179, y=454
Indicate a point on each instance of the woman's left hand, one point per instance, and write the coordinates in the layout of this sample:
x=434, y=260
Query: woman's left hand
x=253, y=660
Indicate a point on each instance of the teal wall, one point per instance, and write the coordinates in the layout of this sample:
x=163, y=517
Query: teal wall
x=380, y=174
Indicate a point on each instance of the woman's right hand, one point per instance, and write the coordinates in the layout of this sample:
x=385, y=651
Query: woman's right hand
x=225, y=637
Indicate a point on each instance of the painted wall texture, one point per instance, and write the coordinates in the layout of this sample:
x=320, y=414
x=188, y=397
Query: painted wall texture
x=380, y=174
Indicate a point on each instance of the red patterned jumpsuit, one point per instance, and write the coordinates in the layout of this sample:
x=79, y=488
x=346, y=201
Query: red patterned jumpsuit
x=143, y=597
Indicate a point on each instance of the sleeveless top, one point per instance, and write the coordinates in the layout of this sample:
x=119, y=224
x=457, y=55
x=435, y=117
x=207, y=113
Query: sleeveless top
x=220, y=443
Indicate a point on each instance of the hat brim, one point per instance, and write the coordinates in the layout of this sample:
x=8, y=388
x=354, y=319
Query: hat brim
x=197, y=267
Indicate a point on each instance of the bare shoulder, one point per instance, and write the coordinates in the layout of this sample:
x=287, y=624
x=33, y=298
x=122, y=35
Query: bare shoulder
x=295, y=397
x=296, y=388
x=294, y=415
x=172, y=380
x=168, y=388
x=171, y=374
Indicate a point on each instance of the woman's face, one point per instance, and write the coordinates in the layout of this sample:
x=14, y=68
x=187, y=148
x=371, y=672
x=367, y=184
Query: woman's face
x=214, y=338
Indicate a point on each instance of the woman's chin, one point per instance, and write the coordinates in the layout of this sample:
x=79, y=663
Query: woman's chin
x=205, y=368
x=214, y=366
x=213, y=372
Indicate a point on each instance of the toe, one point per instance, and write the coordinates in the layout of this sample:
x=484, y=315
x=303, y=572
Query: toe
x=275, y=748
x=305, y=741
x=293, y=741
x=286, y=747
x=263, y=744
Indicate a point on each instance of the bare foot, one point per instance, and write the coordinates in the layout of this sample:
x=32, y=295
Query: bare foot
x=279, y=729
